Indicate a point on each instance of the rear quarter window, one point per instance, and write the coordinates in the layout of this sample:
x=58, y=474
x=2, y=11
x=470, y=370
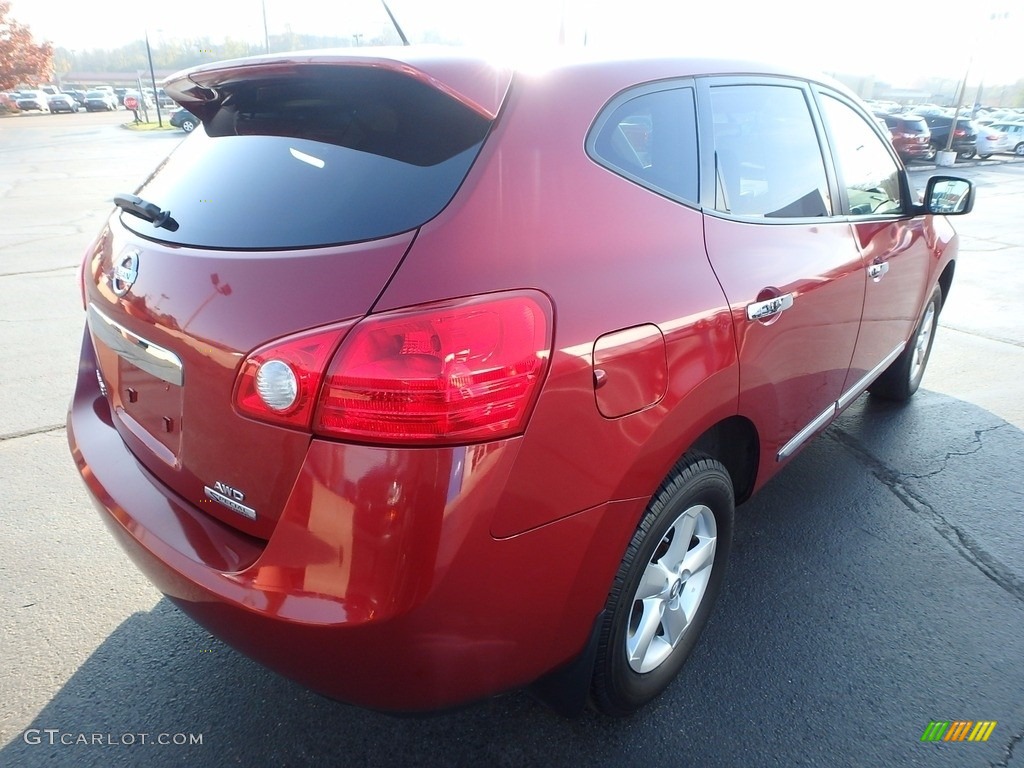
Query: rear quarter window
x=651, y=138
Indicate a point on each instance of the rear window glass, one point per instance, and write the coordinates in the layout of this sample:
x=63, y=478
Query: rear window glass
x=332, y=155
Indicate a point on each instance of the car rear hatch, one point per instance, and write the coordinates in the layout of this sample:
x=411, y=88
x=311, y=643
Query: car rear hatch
x=288, y=210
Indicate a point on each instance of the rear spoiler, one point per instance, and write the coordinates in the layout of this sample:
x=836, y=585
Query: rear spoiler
x=475, y=82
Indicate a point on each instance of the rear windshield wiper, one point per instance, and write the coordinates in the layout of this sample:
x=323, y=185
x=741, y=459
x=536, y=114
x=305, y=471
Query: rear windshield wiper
x=146, y=210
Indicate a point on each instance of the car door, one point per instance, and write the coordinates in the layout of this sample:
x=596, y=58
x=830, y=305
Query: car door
x=789, y=268
x=894, y=251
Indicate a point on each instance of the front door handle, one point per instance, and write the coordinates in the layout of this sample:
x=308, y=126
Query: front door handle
x=760, y=310
x=876, y=271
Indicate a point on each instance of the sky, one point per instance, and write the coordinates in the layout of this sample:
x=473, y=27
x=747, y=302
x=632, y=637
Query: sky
x=897, y=41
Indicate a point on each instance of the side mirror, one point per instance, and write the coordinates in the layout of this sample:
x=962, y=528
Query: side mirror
x=949, y=195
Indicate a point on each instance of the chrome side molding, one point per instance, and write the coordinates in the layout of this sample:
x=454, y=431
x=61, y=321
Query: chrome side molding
x=823, y=418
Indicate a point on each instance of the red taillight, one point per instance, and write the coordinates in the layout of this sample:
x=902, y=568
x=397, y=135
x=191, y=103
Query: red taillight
x=305, y=355
x=459, y=371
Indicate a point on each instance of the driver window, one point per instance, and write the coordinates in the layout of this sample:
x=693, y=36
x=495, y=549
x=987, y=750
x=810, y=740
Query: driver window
x=867, y=170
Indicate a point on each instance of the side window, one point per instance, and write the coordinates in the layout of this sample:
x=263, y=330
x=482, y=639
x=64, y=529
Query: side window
x=767, y=156
x=867, y=171
x=652, y=140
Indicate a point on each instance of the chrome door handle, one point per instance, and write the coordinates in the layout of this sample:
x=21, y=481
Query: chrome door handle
x=875, y=271
x=759, y=310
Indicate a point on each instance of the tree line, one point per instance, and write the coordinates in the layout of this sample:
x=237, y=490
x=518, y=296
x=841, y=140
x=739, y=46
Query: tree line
x=179, y=54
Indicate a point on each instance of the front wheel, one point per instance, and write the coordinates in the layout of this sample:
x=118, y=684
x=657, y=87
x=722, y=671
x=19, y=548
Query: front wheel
x=902, y=378
x=188, y=126
x=1019, y=150
x=666, y=586
x=984, y=157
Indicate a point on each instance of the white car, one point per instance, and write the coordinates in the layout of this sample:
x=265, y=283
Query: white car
x=33, y=100
x=991, y=141
x=1015, y=134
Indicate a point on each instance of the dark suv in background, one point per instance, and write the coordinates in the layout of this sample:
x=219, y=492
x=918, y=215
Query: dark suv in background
x=911, y=137
x=965, y=137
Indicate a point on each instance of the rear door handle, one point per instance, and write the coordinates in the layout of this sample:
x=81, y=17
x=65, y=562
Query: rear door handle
x=876, y=271
x=760, y=310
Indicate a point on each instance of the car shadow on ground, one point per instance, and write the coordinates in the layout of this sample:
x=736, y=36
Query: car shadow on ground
x=874, y=586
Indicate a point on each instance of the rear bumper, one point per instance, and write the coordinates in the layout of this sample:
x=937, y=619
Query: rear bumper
x=381, y=584
x=913, y=149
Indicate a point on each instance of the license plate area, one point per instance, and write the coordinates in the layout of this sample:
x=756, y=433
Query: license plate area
x=145, y=383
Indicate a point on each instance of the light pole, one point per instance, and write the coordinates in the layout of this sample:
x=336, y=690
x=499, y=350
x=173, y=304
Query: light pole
x=266, y=35
x=152, y=79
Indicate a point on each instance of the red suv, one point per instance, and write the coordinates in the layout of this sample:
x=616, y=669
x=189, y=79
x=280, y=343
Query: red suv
x=417, y=378
x=911, y=137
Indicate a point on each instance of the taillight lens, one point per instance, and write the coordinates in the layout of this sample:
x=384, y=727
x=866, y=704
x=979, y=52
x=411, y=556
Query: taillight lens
x=459, y=371
x=280, y=381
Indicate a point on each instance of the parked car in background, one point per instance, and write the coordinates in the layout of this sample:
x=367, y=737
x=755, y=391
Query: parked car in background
x=1015, y=136
x=9, y=102
x=182, y=118
x=991, y=141
x=378, y=423
x=100, y=101
x=965, y=136
x=911, y=136
x=37, y=101
x=63, y=102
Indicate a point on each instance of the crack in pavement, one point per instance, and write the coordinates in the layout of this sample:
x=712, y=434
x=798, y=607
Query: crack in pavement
x=47, y=271
x=1008, y=750
x=33, y=431
x=962, y=542
x=998, y=339
x=957, y=454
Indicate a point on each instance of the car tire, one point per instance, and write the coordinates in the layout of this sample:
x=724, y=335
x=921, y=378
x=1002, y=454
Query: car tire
x=902, y=378
x=188, y=126
x=966, y=154
x=984, y=157
x=1019, y=150
x=664, y=590
x=930, y=154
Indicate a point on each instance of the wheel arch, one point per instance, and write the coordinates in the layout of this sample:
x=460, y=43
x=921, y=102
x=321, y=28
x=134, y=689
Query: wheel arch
x=946, y=281
x=734, y=442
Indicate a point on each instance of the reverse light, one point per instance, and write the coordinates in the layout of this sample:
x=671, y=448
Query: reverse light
x=277, y=385
x=279, y=382
x=458, y=371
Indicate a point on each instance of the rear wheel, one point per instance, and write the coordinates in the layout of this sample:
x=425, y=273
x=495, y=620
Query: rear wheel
x=1019, y=149
x=666, y=585
x=902, y=378
x=188, y=126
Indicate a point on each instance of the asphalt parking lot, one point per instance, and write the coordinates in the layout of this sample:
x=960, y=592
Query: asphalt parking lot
x=876, y=585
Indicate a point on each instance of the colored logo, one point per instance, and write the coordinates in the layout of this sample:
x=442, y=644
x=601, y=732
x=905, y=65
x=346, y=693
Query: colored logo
x=958, y=730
